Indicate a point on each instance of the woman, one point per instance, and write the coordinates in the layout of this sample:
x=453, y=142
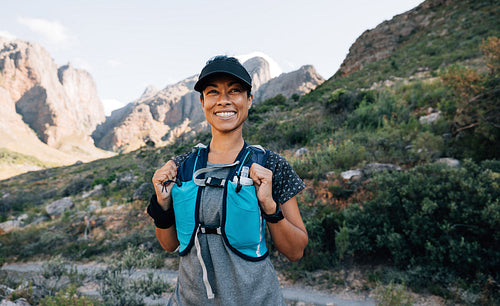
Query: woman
x=213, y=204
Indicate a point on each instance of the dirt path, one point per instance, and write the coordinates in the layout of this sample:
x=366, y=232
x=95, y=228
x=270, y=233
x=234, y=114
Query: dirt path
x=294, y=295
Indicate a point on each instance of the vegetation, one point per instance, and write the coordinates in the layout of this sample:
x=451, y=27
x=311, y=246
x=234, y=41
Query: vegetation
x=428, y=228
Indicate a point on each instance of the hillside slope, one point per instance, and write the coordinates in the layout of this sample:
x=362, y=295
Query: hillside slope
x=427, y=38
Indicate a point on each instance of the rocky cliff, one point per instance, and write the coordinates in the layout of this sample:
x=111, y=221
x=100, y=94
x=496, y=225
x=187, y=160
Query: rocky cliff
x=56, y=102
x=48, y=112
x=161, y=116
x=379, y=43
x=299, y=82
x=156, y=116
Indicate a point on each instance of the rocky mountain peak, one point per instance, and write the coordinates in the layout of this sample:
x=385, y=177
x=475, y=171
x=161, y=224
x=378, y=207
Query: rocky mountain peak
x=299, y=82
x=150, y=91
x=259, y=70
x=59, y=104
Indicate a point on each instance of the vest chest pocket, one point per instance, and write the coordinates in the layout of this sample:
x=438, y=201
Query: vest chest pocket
x=184, y=202
x=243, y=227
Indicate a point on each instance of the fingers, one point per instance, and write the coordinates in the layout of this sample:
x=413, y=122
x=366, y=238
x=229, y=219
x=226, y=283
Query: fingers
x=260, y=175
x=165, y=173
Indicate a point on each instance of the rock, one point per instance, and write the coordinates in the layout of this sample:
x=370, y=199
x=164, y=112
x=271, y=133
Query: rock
x=97, y=191
x=429, y=119
x=126, y=178
x=301, y=152
x=11, y=225
x=5, y=291
x=451, y=162
x=56, y=208
x=351, y=175
x=39, y=220
x=18, y=302
x=330, y=175
x=22, y=217
x=93, y=205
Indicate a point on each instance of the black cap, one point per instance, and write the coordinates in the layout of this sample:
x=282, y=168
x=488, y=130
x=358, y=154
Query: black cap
x=223, y=64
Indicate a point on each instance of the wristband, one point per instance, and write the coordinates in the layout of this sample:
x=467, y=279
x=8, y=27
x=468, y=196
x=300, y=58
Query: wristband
x=276, y=217
x=162, y=218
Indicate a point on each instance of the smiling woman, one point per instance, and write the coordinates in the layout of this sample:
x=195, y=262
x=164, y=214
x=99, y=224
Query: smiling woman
x=219, y=199
x=225, y=103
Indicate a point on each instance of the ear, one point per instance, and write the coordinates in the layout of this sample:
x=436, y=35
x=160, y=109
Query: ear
x=250, y=101
x=202, y=101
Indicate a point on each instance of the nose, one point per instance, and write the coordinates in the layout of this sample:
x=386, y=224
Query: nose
x=223, y=99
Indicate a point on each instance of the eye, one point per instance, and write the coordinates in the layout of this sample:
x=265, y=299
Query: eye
x=211, y=92
x=235, y=90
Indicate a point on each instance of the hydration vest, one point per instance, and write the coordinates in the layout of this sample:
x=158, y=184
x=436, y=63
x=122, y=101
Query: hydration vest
x=242, y=226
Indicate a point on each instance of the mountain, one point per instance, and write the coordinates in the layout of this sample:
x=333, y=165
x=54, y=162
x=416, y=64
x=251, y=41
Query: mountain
x=299, y=82
x=380, y=43
x=48, y=112
x=162, y=116
x=429, y=37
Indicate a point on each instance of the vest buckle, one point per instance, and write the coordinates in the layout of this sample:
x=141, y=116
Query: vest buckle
x=215, y=182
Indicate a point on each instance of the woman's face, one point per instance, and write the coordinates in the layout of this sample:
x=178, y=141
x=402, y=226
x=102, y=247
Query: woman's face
x=225, y=103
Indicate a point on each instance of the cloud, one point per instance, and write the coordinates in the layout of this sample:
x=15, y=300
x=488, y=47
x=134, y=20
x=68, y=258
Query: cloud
x=274, y=68
x=110, y=105
x=7, y=35
x=51, y=31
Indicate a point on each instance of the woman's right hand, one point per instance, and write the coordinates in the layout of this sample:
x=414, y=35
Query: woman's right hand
x=165, y=173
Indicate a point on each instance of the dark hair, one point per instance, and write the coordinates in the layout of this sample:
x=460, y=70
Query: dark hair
x=230, y=59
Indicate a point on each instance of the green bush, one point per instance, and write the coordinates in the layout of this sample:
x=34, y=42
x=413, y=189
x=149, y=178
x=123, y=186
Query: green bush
x=322, y=251
x=433, y=216
x=342, y=100
x=372, y=115
x=332, y=156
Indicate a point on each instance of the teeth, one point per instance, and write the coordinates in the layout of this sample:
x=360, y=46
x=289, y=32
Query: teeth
x=225, y=114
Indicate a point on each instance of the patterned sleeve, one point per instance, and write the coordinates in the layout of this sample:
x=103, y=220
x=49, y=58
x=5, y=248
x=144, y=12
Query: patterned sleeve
x=286, y=182
x=180, y=158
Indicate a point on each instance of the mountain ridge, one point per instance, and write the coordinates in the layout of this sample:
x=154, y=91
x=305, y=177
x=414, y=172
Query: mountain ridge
x=160, y=116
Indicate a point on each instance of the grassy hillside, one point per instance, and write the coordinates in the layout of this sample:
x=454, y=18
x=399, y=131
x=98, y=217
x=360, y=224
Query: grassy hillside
x=429, y=226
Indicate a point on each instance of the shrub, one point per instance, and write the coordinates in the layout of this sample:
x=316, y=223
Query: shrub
x=68, y=297
x=342, y=100
x=434, y=216
x=373, y=115
x=117, y=284
x=393, y=295
x=320, y=252
x=332, y=156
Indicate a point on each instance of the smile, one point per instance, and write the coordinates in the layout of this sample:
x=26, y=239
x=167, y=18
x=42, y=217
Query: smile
x=225, y=114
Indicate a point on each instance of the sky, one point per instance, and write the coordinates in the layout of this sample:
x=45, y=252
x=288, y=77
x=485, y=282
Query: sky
x=127, y=45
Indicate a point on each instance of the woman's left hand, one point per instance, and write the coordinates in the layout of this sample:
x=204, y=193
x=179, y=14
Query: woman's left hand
x=263, y=180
